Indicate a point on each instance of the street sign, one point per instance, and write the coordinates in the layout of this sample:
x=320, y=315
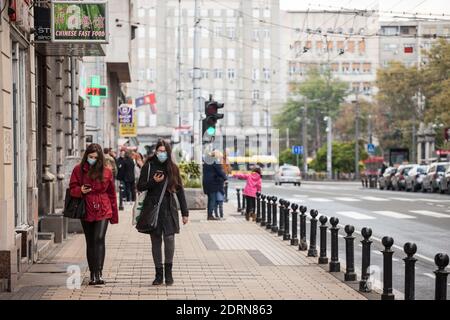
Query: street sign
x=371, y=148
x=127, y=123
x=297, y=150
x=96, y=92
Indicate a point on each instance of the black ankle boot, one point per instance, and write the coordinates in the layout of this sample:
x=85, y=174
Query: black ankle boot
x=99, y=278
x=168, y=273
x=159, y=277
x=93, y=280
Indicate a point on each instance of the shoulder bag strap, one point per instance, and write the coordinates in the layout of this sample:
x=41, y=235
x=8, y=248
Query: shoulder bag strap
x=162, y=193
x=148, y=174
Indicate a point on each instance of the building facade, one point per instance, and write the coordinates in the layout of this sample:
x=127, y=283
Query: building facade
x=240, y=63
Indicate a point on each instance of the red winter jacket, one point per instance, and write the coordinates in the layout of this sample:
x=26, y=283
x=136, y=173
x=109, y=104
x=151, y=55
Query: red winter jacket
x=101, y=202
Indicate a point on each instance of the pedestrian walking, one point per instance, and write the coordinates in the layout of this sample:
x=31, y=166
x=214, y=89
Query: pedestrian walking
x=110, y=162
x=128, y=178
x=227, y=169
x=160, y=175
x=213, y=181
x=93, y=181
x=252, y=186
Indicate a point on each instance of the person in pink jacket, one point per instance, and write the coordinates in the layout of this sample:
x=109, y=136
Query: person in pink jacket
x=252, y=186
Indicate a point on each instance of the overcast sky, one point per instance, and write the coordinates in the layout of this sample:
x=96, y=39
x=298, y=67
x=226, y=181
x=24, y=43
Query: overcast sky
x=422, y=6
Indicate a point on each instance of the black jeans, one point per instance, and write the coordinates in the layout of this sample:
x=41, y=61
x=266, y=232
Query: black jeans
x=250, y=204
x=129, y=191
x=95, y=233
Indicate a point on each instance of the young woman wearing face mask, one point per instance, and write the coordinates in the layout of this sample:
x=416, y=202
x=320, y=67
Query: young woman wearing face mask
x=163, y=169
x=94, y=182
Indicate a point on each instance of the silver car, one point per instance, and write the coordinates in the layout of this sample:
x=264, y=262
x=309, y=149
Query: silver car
x=434, y=175
x=413, y=181
x=288, y=174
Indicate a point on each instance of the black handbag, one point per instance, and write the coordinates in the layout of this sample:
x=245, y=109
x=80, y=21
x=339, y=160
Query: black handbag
x=148, y=220
x=74, y=208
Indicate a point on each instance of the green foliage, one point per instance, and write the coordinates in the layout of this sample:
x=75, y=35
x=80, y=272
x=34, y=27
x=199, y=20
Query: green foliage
x=343, y=157
x=190, y=174
x=286, y=157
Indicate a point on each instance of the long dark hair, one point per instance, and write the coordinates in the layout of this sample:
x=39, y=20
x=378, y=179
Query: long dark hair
x=173, y=173
x=95, y=171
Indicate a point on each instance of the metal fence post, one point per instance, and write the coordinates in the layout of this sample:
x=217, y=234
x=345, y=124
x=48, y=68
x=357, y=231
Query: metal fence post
x=335, y=265
x=294, y=239
x=323, y=259
x=303, y=246
x=441, y=261
x=350, y=274
x=312, y=252
x=387, y=268
x=410, y=272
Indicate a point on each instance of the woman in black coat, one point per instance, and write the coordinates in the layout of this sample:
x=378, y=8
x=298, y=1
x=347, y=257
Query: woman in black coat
x=213, y=181
x=162, y=168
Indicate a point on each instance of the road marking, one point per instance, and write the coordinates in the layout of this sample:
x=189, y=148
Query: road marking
x=433, y=200
x=431, y=213
x=377, y=252
x=403, y=199
x=355, y=215
x=395, y=215
x=347, y=199
x=320, y=200
x=429, y=275
x=374, y=199
x=300, y=195
x=395, y=260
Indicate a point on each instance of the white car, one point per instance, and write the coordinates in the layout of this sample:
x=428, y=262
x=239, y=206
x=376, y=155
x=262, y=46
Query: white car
x=288, y=174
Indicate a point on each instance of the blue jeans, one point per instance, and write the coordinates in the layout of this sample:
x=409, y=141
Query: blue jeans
x=211, y=203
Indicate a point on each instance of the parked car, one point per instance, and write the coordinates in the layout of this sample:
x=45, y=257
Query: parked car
x=444, y=186
x=398, y=181
x=413, y=181
x=288, y=174
x=384, y=182
x=434, y=175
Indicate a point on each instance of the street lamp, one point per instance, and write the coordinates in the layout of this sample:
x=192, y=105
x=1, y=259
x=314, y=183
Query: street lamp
x=329, y=147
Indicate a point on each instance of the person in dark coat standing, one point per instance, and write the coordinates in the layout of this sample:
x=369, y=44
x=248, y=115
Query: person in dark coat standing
x=128, y=178
x=94, y=182
x=162, y=168
x=213, y=181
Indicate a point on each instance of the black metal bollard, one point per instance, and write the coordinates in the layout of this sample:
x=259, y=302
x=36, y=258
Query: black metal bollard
x=312, y=252
x=238, y=194
x=263, y=210
x=364, y=284
x=441, y=261
x=269, y=212
x=258, y=207
x=294, y=239
x=303, y=246
x=350, y=274
x=387, y=268
x=335, y=265
x=274, y=215
x=286, y=235
x=323, y=240
x=121, y=191
x=282, y=213
x=410, y=272
x=244, y=203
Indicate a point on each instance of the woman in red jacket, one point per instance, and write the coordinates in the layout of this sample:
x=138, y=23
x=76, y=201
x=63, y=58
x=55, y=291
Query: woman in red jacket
x=94, y=182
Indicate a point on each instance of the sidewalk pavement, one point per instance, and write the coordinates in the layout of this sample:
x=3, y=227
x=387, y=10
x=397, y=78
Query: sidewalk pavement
x=230, y=259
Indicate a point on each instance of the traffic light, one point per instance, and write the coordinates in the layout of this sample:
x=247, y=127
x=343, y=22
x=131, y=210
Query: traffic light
x=210, y=121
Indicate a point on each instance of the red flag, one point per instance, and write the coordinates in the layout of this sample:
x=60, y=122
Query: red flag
x=152, y=98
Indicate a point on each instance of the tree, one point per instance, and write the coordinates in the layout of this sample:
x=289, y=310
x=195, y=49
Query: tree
x=343, y=157
x=286, y=157
x=325, y=95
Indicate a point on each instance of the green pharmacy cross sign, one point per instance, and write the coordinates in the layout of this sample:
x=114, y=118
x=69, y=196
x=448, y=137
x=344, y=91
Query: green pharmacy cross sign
x=96, y=91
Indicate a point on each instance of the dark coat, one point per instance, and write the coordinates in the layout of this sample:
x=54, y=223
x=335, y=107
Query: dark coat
x=101, y=202
x=128, y=170
x=120, y=168
x=168, y=219
x=213, y=178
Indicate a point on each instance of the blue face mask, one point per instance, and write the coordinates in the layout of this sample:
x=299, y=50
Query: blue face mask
x=91, y=161
x=162, y=156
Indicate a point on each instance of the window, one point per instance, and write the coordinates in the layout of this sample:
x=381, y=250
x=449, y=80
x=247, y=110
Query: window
x=191, y=52
x=266, y=33
x=319, y=46
x=204, y=32
x=340, y=45
x=217, y=31
x=356, y=67
x=151, y=74
x=330, y=46
x=256, y=119
x=218, y=53
x=390, y=47
x=266, y=53
x=205, y=74
x=255, y=53
x=255, y=74
x=141, y=13
x=231, y=74
x=152, y=12
x=230, y=13
x=266, y=72
x=153, y=120
x=191, y=13
x=255, y=34
x=152, y=53
x=256, y=12
x=255, y=94
x=141, y=74
x=217, y=12
x=191, y=73
x=346, y=67
x=231, y=95
x=152, y=32
x=389, y=31
x=355, y=87
x=218, y=73
x=205, y=53
x=231, y=119
x=141, y=33
x=231, y=53
x=366, y=88
x=266, y=13
x=218, y=95
x=267, y=95
x=334, y=67
x=351, y=46
x=141, y=53
x=362, y=47
x=231, y=32
x=204, y=12
x=308, y=45
x=367, y=67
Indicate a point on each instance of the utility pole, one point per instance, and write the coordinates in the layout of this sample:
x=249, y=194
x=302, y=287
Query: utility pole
x=357, y=137
x=287, y=138
x=304, y=136
x=178, y=82
x=329, y=147
x=197, y=90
